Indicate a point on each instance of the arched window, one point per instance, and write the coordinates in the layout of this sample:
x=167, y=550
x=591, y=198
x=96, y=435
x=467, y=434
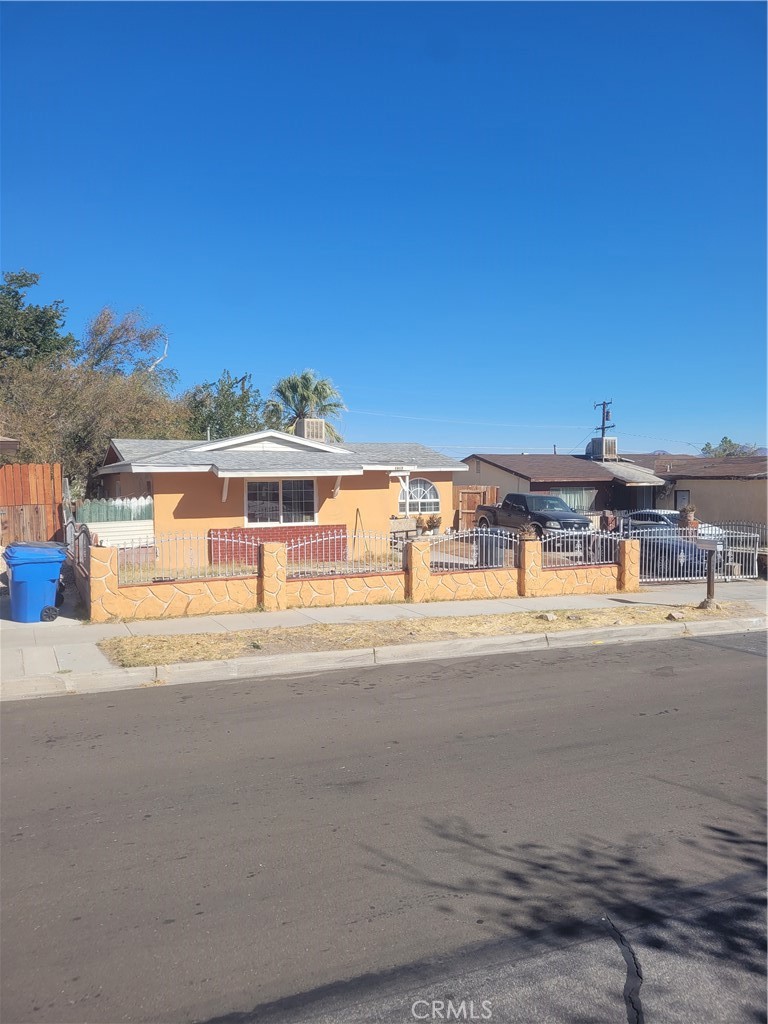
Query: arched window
x=422, y=497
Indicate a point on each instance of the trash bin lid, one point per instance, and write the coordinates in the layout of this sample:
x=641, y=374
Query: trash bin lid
x=34, y=551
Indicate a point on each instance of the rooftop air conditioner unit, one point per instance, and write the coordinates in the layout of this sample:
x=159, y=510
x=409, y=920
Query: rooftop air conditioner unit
x=601, y=448
x=312, y=430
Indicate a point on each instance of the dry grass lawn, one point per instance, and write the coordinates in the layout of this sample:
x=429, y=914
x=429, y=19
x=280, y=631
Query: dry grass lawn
x=130, y=652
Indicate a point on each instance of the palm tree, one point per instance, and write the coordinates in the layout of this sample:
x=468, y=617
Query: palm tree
x=305, y=396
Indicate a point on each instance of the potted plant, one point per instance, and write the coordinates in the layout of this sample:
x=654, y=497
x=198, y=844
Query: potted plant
x=421, y=525
x=688, y=519
x=433, y=523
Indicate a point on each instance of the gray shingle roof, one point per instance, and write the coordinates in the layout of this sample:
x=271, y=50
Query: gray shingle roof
x=179, y=455
x=403, y=454
x=132, y=450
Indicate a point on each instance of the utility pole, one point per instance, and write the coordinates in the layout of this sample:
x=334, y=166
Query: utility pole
x=605, y=425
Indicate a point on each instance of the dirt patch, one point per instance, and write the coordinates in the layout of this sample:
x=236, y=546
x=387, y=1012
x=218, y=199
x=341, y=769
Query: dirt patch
x=135, y=651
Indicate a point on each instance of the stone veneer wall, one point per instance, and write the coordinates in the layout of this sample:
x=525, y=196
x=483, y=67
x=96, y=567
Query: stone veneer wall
x=272, y=591
x=164, y=600
x=346, y=590
x=465, y=585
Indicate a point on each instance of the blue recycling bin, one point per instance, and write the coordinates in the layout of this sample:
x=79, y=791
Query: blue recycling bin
x=33, y=578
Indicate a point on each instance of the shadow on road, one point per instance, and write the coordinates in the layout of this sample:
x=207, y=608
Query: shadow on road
x=528, y=890
x=533, y=898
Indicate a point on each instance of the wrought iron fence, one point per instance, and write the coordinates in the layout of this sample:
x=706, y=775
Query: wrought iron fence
x=569, y=548
x=740, y=528
x=479, y=548
x=336, y=553
x=186, y=556
x=77, y=538
x=668, y=554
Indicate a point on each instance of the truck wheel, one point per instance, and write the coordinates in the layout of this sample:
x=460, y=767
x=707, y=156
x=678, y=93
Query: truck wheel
x=484, y=524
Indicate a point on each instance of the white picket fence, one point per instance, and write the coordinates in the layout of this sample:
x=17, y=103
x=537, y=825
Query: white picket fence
x=115, y=510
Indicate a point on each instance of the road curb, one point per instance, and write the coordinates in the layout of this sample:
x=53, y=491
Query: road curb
x=277, y=665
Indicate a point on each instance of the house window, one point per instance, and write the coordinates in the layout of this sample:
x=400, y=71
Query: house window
x=280, y=501
x=581, y=499
x=422, y=497
x=682, y=498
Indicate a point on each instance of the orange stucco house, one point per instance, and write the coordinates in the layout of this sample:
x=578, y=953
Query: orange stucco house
x=280, y=486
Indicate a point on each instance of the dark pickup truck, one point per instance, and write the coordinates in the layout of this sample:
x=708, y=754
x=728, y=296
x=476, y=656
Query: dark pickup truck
x=545, y=512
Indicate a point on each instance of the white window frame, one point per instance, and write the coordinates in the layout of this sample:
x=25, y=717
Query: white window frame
x=409, y=502
x=279, y=482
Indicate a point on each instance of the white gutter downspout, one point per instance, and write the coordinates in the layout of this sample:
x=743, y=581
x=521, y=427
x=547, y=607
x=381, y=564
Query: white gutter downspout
x=225, y=489
x=336, y=487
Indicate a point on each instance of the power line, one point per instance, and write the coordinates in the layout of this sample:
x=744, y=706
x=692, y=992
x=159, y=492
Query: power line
x=470, y=423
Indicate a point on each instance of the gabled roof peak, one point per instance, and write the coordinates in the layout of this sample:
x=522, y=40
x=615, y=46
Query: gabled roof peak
x=290, y=441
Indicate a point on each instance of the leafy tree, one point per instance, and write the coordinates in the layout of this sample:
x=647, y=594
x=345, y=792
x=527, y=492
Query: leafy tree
x=728, y=447
x=28, y=331
x=123, y=344
x=227, y=407
x=67, y=413
x=63, y=400
x=305, y=395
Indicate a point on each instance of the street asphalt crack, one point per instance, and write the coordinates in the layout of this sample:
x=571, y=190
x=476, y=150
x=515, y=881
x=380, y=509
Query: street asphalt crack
x=634, y=978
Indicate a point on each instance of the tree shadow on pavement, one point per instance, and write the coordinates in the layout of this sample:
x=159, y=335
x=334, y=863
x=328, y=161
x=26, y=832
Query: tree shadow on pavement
x=534, y=899
x=525, y=889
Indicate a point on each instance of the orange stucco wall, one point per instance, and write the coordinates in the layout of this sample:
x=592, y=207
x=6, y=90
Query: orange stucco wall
x=191, y=502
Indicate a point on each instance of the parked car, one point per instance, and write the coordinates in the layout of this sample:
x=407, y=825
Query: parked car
x=545, y=512
x=669, y=517
x=665, y=553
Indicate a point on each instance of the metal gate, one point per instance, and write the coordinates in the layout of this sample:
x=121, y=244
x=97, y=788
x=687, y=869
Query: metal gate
x=670, y=555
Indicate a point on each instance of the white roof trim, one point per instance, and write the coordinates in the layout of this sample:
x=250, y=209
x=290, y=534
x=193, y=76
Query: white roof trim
x=307, y=474
x=234, y=442
x=138, y=467
x=392, y=468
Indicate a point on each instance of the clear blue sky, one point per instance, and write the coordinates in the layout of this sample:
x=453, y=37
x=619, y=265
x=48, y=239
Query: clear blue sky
x=481, y=216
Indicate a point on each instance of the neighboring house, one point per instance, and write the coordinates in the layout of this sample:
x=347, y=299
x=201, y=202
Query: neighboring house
x=724, y=488
x=280, y=486
x=582, y=482
x=732, y=487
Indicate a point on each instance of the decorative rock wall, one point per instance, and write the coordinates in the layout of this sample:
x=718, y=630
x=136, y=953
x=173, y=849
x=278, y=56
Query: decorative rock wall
x=164, y=600
x=584, y=579
x=387, y=588
x=272, y=591
x=465, y=585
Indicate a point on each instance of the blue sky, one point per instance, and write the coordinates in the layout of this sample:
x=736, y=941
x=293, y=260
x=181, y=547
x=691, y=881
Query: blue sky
x=477, y=219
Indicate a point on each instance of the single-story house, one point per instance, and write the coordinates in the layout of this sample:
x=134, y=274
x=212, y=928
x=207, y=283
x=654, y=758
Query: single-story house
x=280, y=486
x=732, y=487
x=722, y=489
x=582, y=482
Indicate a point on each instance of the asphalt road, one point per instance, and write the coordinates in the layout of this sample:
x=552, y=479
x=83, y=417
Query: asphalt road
x=332, y=847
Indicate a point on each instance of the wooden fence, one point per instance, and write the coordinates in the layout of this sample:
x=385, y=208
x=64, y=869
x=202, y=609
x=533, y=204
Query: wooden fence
x=466, y=498
x=30, y=502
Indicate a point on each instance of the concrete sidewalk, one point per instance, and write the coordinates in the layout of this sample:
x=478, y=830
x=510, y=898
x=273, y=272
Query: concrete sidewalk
x=40, y=658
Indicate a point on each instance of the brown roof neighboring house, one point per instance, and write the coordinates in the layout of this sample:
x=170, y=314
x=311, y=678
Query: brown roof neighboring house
x=551, y=469
x=694, y=467
x=572, y=469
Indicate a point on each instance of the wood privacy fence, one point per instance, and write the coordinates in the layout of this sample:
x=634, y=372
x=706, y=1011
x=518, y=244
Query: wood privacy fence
x=30, y=502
